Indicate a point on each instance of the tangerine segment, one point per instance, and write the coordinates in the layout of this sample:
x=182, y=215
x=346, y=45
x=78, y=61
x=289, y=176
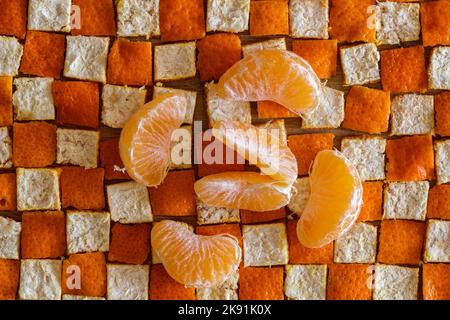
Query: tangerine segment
x=335, y=201
x=195, y=260
x=277, y=75
x=146, y=138
x=243, y=190
x=260, y=147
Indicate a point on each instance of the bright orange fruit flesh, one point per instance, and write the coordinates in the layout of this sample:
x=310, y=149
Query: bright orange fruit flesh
x=243, y=190
x=195, y=260
x=260, y=147
x=145, y=139
x=335, y=201
x=272, y=74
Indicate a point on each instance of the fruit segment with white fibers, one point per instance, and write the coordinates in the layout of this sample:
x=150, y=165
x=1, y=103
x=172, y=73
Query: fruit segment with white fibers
x=146, y=138
x=272, y=74
x=335, y=201
x=260, y=148
x=243, y=190
x=195, y=260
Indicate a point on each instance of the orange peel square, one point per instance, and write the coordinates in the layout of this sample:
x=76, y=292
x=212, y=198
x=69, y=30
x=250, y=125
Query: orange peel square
x=129, y=243
x=181, y=20
x=110, y=160
x=320, y=54
x=367, y=110
x=6, y=110
x=306, y=146
x=349, y=282
x=372, y=201
x=349, y=20
x=164, y=287
x=43, y=235
x=216, y=54
x=442, y=113
x=261, y=283
x=43, y=54
x=8, y=201
x=92, y=267
x=130, y=63
x=77, y=103
x=82, y=189
x=269, y=18
x=401, y=241
x=13, y=18
x=410, y=158
x=249, y=217
x=435, y=21
x=97, y=18
x=175, y=196
x=403, y=70
x=436, y=281
x=439, y=202
x=34, y=144
x=233, y=229
x=299, y=254
x=9, y=279
x=273, y=110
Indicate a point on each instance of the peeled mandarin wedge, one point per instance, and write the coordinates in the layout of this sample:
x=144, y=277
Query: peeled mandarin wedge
x=272, y=74
x=195, y=260
x=146, y=138
x=243, y=190
x=334, y=203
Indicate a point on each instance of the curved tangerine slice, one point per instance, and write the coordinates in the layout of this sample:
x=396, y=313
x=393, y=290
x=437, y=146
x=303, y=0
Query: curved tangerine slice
x=145, y=139
x=195, y=260
x=334, y=203
x=260, y=147
x=272, y=74
x=243, y=190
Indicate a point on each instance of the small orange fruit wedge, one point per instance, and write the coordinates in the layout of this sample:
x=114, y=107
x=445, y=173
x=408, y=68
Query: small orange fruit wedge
x=272, y=74
x=195, y=260
x=334, y=203
x=260, y=147
x=243, y=190
x=146, y=138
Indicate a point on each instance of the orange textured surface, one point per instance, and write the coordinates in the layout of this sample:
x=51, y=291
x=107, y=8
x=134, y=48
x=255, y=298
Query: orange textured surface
x=13, y=18
x=181, y=20
x=8, y=192
x=129, y=243
x=261, y=283
x=43, y=235
x=130, y=63
x=233, y=228
x=175, y=196
x=349, y=282
x=97, y=18
x=163, y=287
x=372, y=201
x=9, y=278
x=82, y=189
x=410, y=159
x=321, y=55
x=43, y=54
x=273, y=110
x=435, y=20
x=401, y=241
x=436, y=281
x=92, y=274
x=439, y=202
x=248, y=217
x=349, y=20
x=110, y=160
x=306, y=146
x=216, y=54
x=6, y=110
x=403, y=70
x=367, y=110
x=442, y=113
x=269, y=18
x=299, y=254
x=34, y=144
x=76, y=103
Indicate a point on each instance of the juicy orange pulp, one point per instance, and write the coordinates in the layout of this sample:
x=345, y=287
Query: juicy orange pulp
x=146, y=138
x=195, y=260
x=334, y=203
x=272, y=74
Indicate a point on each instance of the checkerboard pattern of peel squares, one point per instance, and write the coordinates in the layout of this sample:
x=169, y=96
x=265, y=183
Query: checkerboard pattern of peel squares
x=73, y=71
